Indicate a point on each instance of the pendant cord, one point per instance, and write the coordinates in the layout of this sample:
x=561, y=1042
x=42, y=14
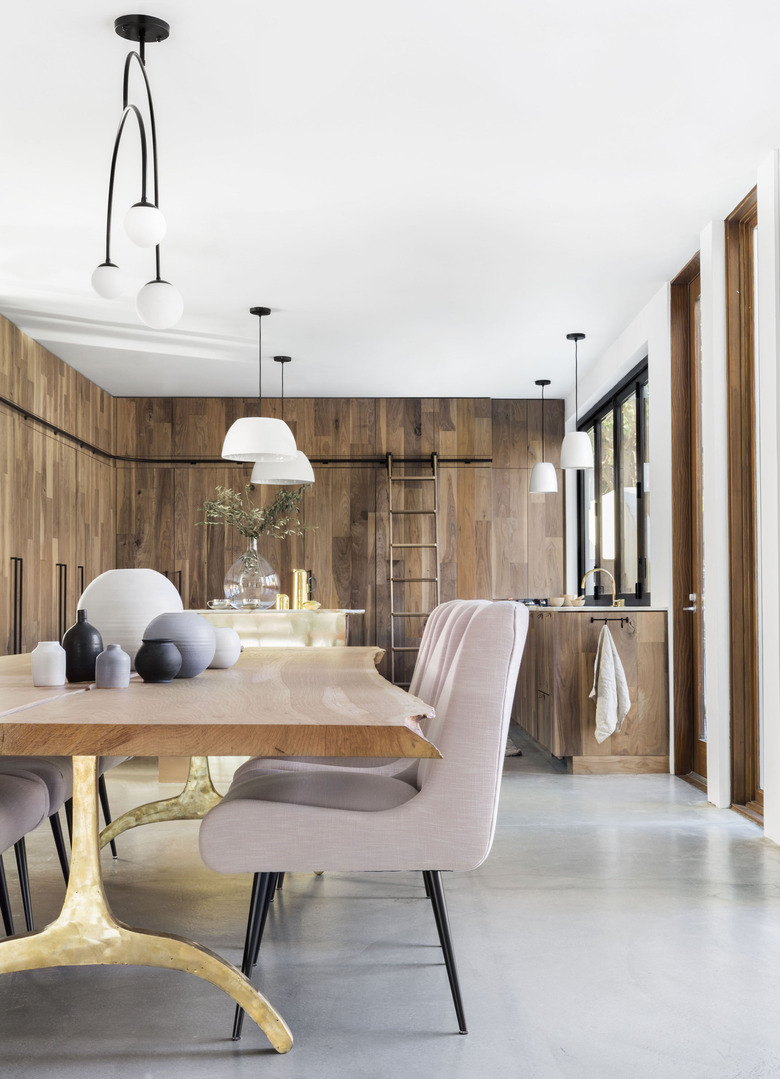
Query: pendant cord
x=282, y=366
x=576, y=382
x=543, y=456
x=259, y=367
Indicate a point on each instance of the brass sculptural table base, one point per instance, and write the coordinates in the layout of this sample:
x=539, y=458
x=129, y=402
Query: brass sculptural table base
x=192, y=803
x=87, y=934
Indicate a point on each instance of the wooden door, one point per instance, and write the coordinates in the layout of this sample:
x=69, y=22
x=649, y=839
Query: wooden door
x=690, y=725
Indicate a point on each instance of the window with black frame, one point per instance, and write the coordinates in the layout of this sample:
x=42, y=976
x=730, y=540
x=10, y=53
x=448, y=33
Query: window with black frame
x=614, y=497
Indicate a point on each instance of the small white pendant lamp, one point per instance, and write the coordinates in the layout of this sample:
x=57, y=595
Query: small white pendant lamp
x=544, y=479
x=284, y=473
x=576, y=450
x=259, y=438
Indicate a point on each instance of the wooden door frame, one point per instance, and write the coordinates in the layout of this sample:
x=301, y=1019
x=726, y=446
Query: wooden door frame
x=682, y=532
x=743, y=539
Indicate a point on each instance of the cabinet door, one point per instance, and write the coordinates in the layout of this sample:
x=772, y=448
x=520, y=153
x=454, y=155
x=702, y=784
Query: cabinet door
x=144, y=499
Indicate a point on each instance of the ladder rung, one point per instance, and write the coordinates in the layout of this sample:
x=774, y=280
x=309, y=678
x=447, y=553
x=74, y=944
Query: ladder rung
x=402, y=685
x=414, y=580
x=412, y=479
x=423, y=545
x=417, y=513
x=409, y=614
x=405, y=648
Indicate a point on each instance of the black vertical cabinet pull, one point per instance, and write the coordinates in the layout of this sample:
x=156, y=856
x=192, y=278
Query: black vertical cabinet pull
x=17, y=597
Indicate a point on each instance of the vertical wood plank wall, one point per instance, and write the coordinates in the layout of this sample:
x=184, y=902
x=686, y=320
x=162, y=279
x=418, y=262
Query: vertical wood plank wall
x=123, y=485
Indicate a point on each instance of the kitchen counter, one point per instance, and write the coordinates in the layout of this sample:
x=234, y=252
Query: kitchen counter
x=553, y=701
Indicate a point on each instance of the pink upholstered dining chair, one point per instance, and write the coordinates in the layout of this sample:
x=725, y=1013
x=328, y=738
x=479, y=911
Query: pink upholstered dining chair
x=434, y=815
x=439, y=642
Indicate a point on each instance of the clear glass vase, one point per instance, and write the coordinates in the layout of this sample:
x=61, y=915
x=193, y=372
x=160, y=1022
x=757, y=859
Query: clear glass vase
x=251, y=582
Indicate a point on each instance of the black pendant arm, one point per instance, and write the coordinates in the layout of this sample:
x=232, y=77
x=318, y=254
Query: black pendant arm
x=152, y=123
x=129, y=110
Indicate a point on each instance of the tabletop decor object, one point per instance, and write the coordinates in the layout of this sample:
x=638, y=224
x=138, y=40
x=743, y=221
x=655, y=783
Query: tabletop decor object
x=228, y=647
x=158, y=660
x=83, y=644
x=193, y=636
x=48, y=664
x=122, y=603
x=251, y=581
x=112, y=668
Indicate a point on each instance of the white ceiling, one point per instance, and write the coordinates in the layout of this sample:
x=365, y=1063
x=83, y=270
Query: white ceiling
x=428, y=194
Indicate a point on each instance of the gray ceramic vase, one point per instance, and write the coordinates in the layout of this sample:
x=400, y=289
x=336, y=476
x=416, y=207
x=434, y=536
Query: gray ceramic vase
x=192, y=635
x=112, y=668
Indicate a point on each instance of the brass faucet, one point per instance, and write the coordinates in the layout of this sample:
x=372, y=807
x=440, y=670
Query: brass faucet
x=600, y=569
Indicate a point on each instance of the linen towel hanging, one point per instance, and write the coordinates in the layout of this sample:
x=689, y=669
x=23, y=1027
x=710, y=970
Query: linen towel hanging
x=610, y=689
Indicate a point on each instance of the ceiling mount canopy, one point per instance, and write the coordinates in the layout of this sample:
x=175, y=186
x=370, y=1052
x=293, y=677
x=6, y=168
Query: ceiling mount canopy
x=259, y=438
x=544, y=479
x=576, y=449
x=158, y=303
x=286, y=473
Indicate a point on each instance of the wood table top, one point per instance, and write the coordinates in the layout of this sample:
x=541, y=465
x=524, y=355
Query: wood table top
x=328, y=702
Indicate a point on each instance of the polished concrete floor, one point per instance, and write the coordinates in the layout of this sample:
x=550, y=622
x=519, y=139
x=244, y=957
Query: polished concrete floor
x=621, y=929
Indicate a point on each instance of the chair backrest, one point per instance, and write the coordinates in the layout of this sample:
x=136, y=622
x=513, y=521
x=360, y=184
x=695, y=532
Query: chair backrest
x=470, y=674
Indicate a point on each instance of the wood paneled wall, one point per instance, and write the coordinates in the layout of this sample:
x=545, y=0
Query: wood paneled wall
x=123, y=482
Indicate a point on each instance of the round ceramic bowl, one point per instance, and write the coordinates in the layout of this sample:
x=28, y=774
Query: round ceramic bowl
x=192, y=635
x=555, y=601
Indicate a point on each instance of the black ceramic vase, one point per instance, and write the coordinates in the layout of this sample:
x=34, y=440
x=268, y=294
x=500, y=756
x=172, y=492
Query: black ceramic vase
x=83, y=644
x=158, y=660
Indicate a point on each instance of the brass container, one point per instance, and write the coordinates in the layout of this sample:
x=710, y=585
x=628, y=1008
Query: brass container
x=300, y=592
x=282, y=602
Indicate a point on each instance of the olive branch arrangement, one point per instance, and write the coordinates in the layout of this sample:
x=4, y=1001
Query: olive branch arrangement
x=279, y=519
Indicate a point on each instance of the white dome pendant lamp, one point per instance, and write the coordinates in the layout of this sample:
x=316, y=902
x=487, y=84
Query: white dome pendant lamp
x=259, y=438
x=293, y=473
x=576, y=450
x=544, y=480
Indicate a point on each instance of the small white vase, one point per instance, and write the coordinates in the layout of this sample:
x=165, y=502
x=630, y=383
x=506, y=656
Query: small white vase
x=48, y=664
x=112, y=668
x=228, y=647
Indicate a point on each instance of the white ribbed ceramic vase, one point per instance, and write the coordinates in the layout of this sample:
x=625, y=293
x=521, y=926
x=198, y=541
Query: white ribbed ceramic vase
x=192, y=635
x=122, y=603
x=228, y=647
x=48, y=664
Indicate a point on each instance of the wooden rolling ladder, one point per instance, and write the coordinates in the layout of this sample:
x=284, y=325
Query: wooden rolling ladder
x=408, y=606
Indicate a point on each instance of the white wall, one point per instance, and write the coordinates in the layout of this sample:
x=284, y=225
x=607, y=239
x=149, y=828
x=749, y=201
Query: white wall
x=769, y=473
x=649, y=334
x=714, y=425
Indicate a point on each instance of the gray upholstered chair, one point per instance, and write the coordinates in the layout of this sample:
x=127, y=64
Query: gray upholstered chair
x=24, y=804
x=57, y=774
x=435, y=815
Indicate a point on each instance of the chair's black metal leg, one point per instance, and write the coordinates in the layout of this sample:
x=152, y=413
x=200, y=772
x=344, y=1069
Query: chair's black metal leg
x=5, y=903
x=103, y=795
x=279, y=881
x=263, y=886
x=69, y=818
x=20, y=850
x=268, y=900
x=425, y=882
x=59, y=843
x=435, y=890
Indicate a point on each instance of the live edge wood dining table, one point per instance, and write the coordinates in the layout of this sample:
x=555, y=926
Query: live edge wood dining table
x=275, y=702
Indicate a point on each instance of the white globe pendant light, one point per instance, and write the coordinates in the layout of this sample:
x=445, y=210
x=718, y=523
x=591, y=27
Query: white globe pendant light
x=259, y=438
x=145, y=224
x=576, y=449
x=159, y=304
x=544, y=479
x=107, y=281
